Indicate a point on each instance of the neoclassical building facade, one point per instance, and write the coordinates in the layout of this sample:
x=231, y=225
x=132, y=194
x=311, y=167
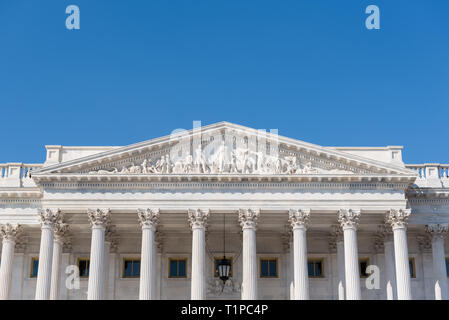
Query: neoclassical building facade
x=153, y=220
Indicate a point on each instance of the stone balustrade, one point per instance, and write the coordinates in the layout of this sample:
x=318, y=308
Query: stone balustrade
x=431, y=174
x=17, y=175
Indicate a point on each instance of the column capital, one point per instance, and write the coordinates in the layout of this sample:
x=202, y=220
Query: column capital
x=299, y=218
x=198, y=218
x=148, y=217
x=110, y=236
x=248, y=218
x=99, y=218
x=9, y=232
x=397, y=218
x=349, y=218
x=424, y=242
x=335, y=236
x=437, y=230
x=61, y=231
x=48, y=217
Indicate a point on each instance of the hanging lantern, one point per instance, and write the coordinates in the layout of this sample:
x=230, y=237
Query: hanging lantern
x=224, y=268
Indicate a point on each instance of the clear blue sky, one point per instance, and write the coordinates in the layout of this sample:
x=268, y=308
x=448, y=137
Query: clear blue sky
x=137, y=70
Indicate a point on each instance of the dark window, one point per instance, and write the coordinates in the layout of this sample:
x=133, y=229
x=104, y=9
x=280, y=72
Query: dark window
x=363, y=264
x=268, y=268
x=315, y=268
x=217, y=260
x=34, y=267
x=131, y=268
x=83, y=266
x=447, y=267
x=411, y=263
x=177, y=268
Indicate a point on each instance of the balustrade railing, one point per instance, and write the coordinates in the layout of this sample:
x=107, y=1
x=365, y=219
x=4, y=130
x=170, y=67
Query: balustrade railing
x=17, y=174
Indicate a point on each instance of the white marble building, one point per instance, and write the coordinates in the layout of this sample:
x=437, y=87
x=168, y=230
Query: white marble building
x=150, y=220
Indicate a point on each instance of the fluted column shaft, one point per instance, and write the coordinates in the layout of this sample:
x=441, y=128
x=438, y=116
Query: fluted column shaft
x=398, y=220
x=107, y=249
x=96, y=277
x=248, y=221
x=341, y=269
x=292, y=270
x=8, y=233
x=48, y=219
x=352, y=274
x=439, y=268
x=45, y=264
x=299, y=220
x=99, y=220
x=55, y=272
x=147, y=264
x=198, y=220
x=439, y=260
x=349, y=221
x=390, y=275
x=148, y=220
x=300, y=262
x=249, y=264
x=402, y=264
x=198, y=264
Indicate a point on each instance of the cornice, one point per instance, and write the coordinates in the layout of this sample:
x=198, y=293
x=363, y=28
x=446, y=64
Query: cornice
x=336, y=178
x=250, y=184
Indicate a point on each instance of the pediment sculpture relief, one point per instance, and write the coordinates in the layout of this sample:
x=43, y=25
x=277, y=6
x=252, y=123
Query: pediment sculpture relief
x=223, y=160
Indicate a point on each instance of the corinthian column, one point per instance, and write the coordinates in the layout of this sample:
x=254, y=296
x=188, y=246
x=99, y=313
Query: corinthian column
x=299, y=220
x=439, y=260
x=8, y=233
x=349, y=220
x=48, y=219
x=386, y=235
x=198, y=220
x=148, y=220
x=60, y=232
x=337, y=234
x=398, y=220
x=248, y=221
x=99, y=220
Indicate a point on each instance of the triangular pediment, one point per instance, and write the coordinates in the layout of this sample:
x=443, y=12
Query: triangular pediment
x=223, y=148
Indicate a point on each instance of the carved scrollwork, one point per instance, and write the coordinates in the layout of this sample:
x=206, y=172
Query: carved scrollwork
x=9, y=232
x=198, y=218
x=299, y=218
x=437, y=230
x=248, y=218
x=148, y=217
x=398, y=218
x=349, y=218
x=99, y=217
x=49, y=217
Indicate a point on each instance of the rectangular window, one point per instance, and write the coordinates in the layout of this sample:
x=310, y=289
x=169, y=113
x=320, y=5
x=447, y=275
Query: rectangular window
x=411, y=263
x=363, y=264
x=83, y=266
x=216, y=260
x=131, y=268
x=315, y=268
x=34, y=267
x=177, y=268
x=269, y=268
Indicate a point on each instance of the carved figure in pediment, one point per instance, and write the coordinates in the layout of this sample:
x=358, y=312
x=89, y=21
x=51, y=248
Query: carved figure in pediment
x=290, y=165
x=200, y=161
x=135, y=169
x=114, y=170
x=309, y=169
